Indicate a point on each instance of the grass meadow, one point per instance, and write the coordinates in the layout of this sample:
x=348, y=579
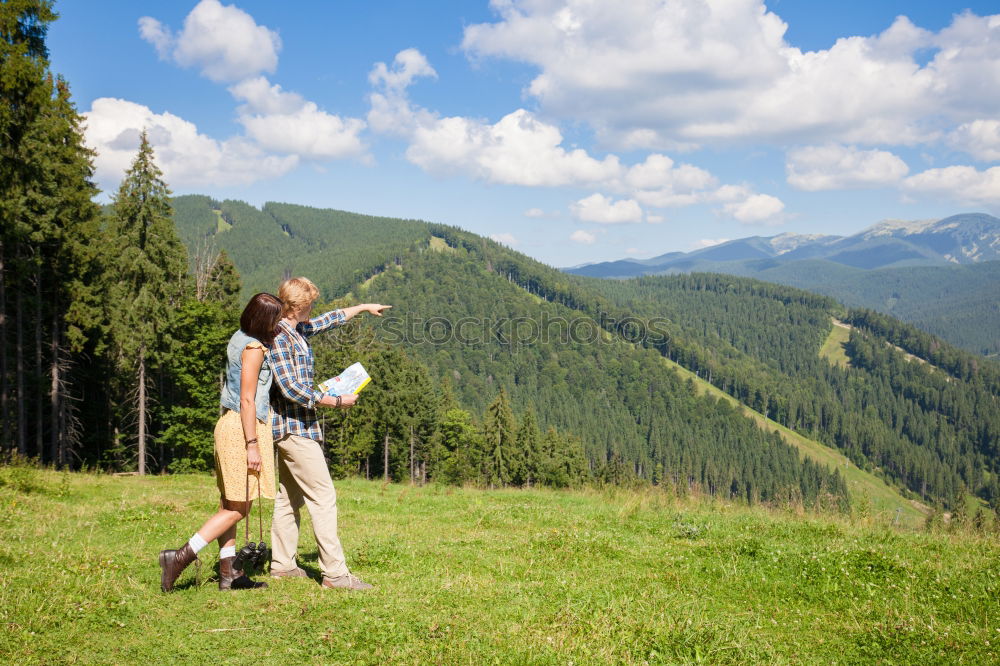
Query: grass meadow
x=467, y=576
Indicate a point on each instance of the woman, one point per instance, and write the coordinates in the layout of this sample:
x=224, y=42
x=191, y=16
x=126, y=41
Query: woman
x=243, y=446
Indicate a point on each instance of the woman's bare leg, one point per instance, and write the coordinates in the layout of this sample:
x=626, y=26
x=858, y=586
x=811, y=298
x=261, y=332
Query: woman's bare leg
x=223, y=523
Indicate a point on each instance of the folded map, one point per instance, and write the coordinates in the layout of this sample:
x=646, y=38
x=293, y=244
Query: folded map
x=351, y=380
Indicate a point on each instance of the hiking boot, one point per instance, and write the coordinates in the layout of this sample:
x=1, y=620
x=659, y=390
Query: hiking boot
x=234, y=579
x=297, y=572
x=172, y=563
x=346, y=582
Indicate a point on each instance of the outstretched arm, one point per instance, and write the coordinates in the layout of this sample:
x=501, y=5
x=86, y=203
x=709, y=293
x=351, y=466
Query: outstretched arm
x=339, y=317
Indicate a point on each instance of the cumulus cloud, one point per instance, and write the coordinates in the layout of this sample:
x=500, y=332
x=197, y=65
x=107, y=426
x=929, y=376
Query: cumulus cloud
x=223, y=41
x=668, y=75
x=285, y=122
x=659, y=182
x=534, y=212
x=505, y=238
x=835, y=167
x=583, y=237
x=963, y=184
x=522, y=149
x=519, y=149
x=186, y=156
x=979, y=138
x=281, y=127
x=601, y=209
x=756, y=209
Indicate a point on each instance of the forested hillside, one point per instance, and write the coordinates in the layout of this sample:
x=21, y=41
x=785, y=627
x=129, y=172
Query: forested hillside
x=468, y=323
x=932, y=427
x=476, y=314
x=959, y=304
x=943, y=276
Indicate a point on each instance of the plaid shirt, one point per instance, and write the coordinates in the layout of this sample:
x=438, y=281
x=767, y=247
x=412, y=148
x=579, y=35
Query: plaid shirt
x=294, y=408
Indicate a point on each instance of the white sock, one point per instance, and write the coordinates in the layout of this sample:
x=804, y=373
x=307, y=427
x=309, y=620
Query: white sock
x=197, y=543
x=228, y=551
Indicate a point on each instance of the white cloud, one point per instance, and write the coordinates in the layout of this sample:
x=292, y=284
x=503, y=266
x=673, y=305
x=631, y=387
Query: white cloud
x=979, y=138
x=835, y=167
x=756, y=209
x=534, y=212
x=672, y=74
x=391, y=112
x=709, y=242
x=227, y=45
x=519, y=149
x=658, y=182
x=598, y=208
x=186, y=156
x=654, y=219
x=505, y=238
x=222, y=40
x=408, y=65
x=285, y=122
x=583, y=237
x=963, y=184
x=156, y=34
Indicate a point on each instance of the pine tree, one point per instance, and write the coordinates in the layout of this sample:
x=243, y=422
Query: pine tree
x=66, y=244
x=529, y=441
x=25, y=92
x=499, y=433
x=149, y=280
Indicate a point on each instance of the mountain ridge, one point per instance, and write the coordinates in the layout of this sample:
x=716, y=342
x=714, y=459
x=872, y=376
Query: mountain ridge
x=759, y=343
x=914, y=256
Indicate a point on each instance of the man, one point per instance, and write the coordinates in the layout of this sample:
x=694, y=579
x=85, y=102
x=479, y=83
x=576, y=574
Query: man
x=303, y=475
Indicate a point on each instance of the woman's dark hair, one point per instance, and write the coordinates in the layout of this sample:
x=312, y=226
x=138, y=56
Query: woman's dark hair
x=261, y=316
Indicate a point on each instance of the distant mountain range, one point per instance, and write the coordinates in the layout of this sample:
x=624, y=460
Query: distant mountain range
x=959, y=239
x=942, y=275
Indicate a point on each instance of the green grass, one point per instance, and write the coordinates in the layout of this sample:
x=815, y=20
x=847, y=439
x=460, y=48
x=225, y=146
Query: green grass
x=439, y=244
x=469, y=576
x=865, y=488
x=833, y=347
x=220, y=222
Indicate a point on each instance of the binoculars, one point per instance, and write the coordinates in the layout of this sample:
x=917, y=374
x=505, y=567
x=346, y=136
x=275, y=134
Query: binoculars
x=252, y=557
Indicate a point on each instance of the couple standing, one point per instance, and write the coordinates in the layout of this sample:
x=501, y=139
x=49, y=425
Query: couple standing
x=272, y=346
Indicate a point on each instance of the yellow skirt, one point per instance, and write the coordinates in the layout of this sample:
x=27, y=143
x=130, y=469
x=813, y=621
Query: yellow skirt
x=231, y=459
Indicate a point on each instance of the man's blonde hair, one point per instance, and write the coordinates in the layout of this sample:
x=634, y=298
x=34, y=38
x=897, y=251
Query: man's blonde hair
x=295, y=293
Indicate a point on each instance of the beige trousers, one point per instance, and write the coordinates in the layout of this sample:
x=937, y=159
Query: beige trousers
x=304, y=478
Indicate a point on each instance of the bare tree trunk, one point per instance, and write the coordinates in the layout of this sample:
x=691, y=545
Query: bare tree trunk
x=385, y=464
x=22, y=442
x=368, y=472
x=39, y=446
x=160, y=396
x=142, y=411
x=54, y=395
x=4, y=389
x=411, y=455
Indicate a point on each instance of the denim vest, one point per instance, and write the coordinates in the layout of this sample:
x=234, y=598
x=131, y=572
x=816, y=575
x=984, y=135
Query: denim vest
x=231, y=389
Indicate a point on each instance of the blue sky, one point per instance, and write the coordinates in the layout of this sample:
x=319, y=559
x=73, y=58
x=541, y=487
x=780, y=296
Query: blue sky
x=572, y=130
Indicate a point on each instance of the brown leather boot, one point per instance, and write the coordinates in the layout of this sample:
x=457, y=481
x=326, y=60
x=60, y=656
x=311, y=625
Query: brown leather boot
x=234, y=579
x=172, y=563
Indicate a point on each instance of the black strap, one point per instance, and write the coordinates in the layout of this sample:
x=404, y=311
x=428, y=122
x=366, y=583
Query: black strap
x=260, y=513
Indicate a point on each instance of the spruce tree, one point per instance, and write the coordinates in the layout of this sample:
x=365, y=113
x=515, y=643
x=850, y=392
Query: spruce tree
x=66, y=265
x=24, y=93
x=529, y=442
x=149, y=280
x=499, y=432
